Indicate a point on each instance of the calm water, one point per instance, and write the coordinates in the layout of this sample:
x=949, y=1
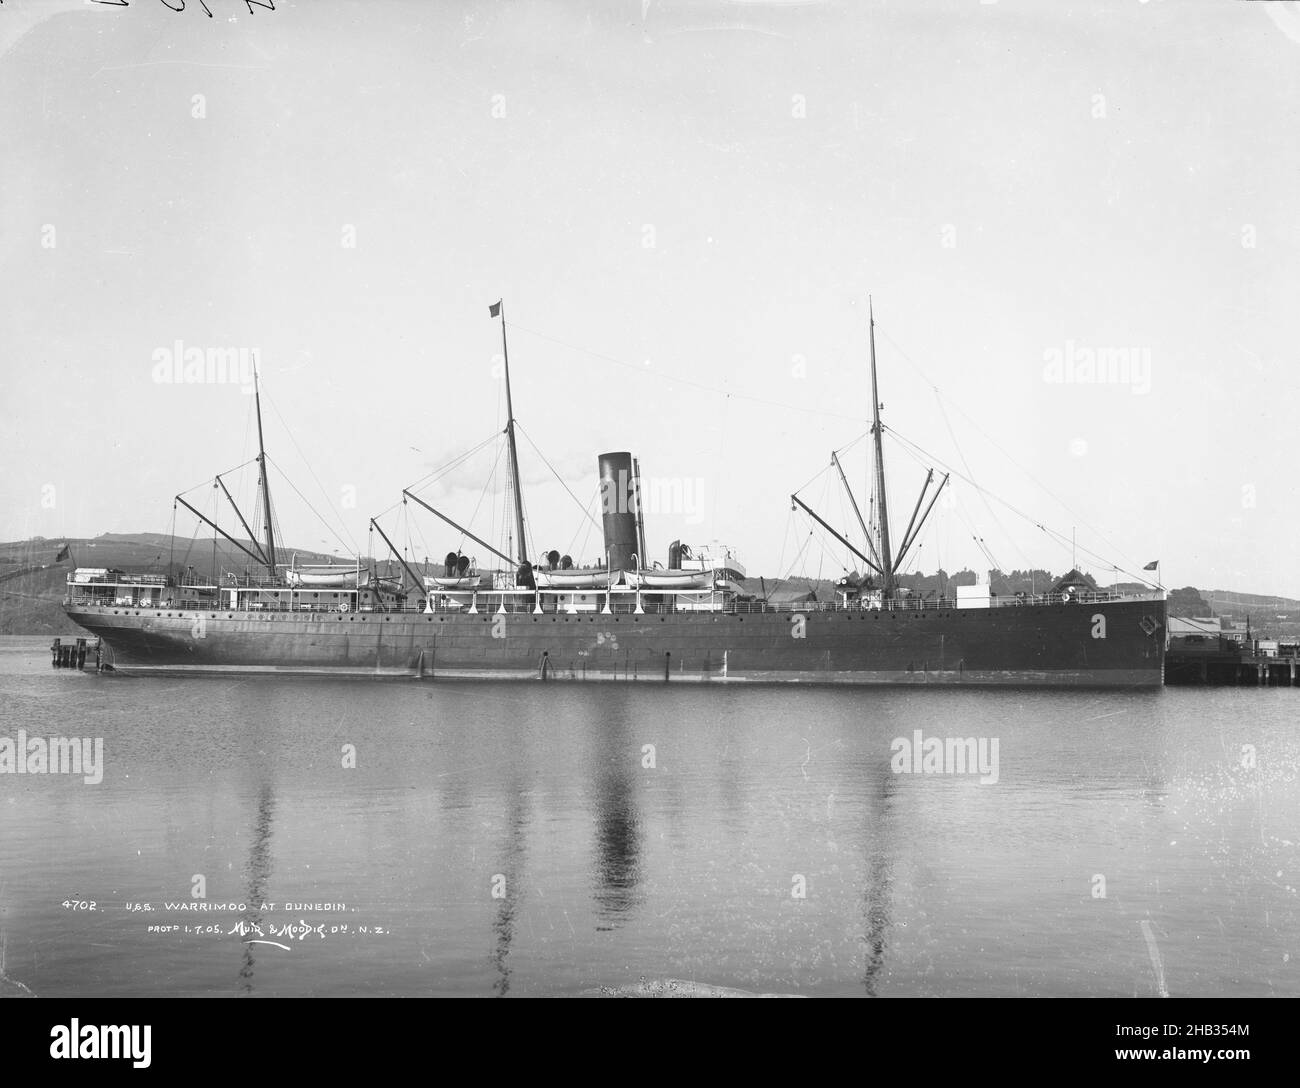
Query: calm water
x=606, y=871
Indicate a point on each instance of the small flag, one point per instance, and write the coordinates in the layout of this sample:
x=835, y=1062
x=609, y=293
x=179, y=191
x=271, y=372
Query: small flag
x=495, y=309
x=1152, y=565
x=64, y=552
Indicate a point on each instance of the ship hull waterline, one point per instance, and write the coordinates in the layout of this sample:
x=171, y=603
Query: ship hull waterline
x=1107, y=644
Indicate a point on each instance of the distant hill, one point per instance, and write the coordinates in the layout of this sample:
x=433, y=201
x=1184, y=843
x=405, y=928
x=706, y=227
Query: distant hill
x=29, y=602
x=1223, y=600
x=1264, y=612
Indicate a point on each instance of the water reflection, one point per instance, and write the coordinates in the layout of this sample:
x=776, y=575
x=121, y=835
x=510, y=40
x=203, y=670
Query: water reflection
x=618, y=826
x=257, y=872
x=504, y=924
x=876, y=894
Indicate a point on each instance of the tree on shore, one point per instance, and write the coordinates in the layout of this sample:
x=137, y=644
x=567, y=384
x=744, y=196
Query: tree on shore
x=1188, y=602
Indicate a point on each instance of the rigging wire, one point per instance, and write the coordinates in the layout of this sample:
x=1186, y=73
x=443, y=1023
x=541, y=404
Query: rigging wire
x=971, y=472
x=586, y=527
x=442, y=470
x=926, y=378
x=226, y=472
x=785, y=539
x=424, y=541
x=789, y=575
x=324, y=494
x=455, y=462
x=1061, y=537
x=640, y=369
x=309, y=506
x=845, y=449
x=586, y=510
x=484, y=493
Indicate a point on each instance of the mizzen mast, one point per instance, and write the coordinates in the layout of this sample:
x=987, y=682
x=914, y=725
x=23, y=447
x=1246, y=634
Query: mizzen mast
x=265, y=482
x=498, y=309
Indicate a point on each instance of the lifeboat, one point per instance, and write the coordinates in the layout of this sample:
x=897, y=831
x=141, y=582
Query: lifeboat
x=465, y=583
x=322, y=577
x=574, y=579
x=675, y=579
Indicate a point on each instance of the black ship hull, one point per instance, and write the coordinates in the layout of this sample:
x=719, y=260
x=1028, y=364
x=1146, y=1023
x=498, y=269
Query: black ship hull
x=1093, y=644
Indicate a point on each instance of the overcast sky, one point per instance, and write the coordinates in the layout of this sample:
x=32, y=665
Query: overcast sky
x=685, y=206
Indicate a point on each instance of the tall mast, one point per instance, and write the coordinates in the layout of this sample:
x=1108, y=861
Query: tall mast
x=522, y=549
x=266, y=484
x=887, y=559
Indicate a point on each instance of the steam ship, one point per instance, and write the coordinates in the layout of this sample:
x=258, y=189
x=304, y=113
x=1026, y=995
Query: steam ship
x=621, y=617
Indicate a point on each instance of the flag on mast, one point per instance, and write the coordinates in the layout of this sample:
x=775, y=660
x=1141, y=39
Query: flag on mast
x=494, y=310
x=64, y=552
x=1153, y=565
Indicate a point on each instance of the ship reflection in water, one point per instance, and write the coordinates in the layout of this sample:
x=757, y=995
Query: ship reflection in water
x=875, y=896
x=522, y=840
x=257, y=872
x=508, y=889
x=616, y=766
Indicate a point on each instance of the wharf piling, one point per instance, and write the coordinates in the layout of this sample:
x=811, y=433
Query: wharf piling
x=73, y=655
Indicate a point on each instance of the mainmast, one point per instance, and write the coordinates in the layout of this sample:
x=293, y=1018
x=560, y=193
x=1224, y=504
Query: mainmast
x=498, y=309
x=886, y=557
x=266, y=485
